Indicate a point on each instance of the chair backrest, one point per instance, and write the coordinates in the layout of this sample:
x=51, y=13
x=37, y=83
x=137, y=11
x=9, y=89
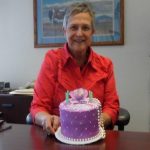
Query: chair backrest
x=1, y=114
x=29, y=119
x=123, y=118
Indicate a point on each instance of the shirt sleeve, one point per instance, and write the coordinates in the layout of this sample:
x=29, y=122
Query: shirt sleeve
x=111, y=102
x=44, y=87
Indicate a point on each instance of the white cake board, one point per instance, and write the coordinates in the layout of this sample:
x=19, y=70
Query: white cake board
x=60, y=137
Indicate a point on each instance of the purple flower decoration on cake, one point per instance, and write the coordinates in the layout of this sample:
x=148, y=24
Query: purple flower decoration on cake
x=79, y=94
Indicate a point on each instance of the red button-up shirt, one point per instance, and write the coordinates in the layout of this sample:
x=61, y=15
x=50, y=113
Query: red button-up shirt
x=60, y=72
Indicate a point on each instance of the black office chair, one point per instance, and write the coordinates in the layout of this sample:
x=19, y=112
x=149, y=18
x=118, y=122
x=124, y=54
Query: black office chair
x=123, y=119
x=1, y=114
x=29, y=119
x=1, y=119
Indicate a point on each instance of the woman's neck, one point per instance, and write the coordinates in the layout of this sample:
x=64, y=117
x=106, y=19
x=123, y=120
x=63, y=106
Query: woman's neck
x=81, y=58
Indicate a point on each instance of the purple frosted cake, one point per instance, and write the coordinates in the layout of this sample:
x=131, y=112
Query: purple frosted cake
x=80, y=116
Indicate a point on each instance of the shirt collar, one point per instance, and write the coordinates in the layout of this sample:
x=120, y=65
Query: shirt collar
x=67, y=57
x=91, y=60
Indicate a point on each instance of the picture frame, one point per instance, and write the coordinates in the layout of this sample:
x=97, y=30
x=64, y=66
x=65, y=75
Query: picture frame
x=48, y=20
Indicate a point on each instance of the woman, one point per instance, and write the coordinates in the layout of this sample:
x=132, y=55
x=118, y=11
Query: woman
x=74, y=66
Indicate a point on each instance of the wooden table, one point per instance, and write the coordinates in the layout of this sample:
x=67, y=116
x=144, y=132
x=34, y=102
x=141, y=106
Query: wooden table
x=30, y=137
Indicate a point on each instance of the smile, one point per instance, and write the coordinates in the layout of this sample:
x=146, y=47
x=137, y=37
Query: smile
x=79, y=40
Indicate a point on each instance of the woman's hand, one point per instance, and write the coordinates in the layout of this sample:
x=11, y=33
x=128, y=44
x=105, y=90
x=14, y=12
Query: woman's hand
x=107, y=122
x=50, y=123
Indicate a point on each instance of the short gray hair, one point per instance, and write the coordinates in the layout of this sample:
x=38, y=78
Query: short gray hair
x=77, y=8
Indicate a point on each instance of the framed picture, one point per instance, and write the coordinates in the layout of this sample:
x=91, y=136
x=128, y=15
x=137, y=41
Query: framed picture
x=48, y=20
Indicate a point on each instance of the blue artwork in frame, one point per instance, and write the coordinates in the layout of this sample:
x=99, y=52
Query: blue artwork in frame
x=48, y=20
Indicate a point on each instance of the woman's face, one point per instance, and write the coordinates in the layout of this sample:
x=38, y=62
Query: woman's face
x=79, y=32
